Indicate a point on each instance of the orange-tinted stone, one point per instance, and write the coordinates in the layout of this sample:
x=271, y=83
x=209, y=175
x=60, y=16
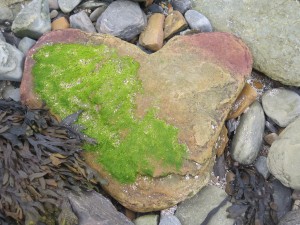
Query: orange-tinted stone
x=221, y=142
x=244, y=100
x=174, y=23
x=60, y=23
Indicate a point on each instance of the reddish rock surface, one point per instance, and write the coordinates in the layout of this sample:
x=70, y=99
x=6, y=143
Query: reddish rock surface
x=193, y=81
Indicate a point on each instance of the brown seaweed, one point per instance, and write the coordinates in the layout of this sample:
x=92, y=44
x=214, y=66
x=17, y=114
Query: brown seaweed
x=39, y=159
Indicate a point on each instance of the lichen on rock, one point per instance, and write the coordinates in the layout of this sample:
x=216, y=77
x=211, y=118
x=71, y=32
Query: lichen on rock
x=72, y=77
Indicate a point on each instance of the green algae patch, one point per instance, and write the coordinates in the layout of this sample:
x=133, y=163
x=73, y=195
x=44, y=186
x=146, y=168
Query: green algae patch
x=72, y=77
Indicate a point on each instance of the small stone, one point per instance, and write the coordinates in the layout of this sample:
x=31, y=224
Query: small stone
x=68, y=5
x=222, y=141
x=270, y=138
x=33, y=20
x=197, y=21
x=146, y=220
x=296, y=195
x=248, y=138
x=190, y=211
x=97, y=13
x=243, y=101
x=182, y=5
x=153, y=36
x=53, y=14
x=53, y=4
x=25, y=44
x=281, y=105
x=82, y=21
x=284, y=156
x=282, y=198
x=11, y=62
x=6, y=14
x=296, y=205
x=291, y=218
x=148, y=2
x=11, y=93
x=123, y=19
x=169, y=220
x=60, y=23
x=174, y=23
x=92, y=208
x=2, y=38
x=154, y=8
x=261, y=166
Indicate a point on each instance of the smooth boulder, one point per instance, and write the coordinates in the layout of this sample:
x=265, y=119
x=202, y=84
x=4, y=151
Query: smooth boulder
x=284, y=156
x=272, y=36
x=281, y=105
x=33, y=20
x=247, y=141
x=178, y=81
x=123, y=19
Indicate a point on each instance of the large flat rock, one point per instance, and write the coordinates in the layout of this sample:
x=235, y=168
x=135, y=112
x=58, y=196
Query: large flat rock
x=192, y=81
x=270, y=29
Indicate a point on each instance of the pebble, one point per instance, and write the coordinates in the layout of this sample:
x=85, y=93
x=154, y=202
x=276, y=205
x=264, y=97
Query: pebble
x=247, y=141
x=282, y=198
x=197, y=21
x=146, y=220
x=243, y=101
x=11, y=62
x=169, y=220
x=291, y=218
x=270, y=138
x=284, y=156
x=60, y=23
x=281, y=105
x=182, y=5
x=174, y=23
x=53, y=4
x=2, y=38
x=82, y=21
x=190, y=212
x=6, y=14
x=92, y=208
x=68, y=5
x=154, y=8
x=10, y=92
x=261, y=166
x=153, y=36
x=33, y=20
x=25, y=44
x=53, y=14
x=97, y=13
x=123, y=19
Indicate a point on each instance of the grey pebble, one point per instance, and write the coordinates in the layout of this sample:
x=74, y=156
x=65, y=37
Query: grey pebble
x=146, y=220
x=6, y=14
x=33, y=20
x=25, y=44
x=53, y=4
x=291, y=218
x=154, y=8
x=169, y=220
x=10, y=92
x=182, y=5
x=261, y=166
x=11, y=62
x=197, y=21
x=247, y=141
x=68, y=5
x=53, y=14
x=123, y=19
x=82, y=21
x=97, y=13
x=2, y=38
x=281, y=105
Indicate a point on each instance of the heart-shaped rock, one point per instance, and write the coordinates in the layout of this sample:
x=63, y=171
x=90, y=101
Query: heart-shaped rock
x=191, y=83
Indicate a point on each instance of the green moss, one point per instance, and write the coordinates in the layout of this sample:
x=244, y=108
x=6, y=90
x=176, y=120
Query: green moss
x=70, y=77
